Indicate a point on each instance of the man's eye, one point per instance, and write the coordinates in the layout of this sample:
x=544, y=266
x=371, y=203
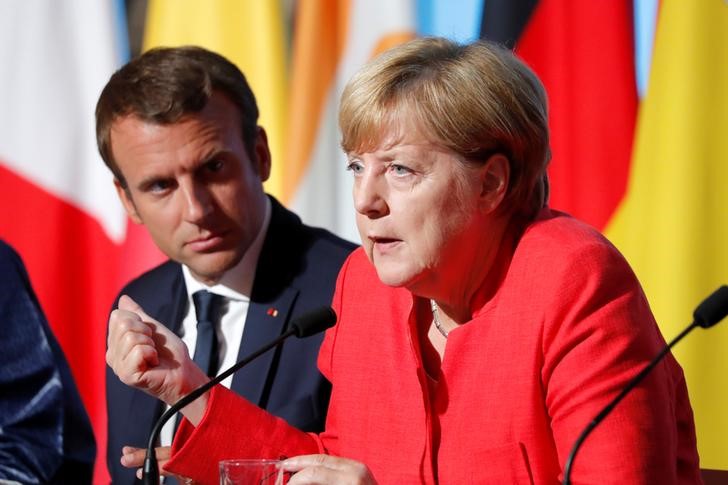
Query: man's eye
x=159, y=186
x=355, y=167
x=214, y=165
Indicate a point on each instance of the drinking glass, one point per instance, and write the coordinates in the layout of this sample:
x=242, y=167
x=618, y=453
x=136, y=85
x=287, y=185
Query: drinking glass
x=251, y=472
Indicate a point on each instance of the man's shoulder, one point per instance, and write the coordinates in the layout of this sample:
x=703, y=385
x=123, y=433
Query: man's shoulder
x=329, y=240
x=160, y=276
x=7, y=251
x=14, y=280
x=9, y=258
x=288, y=231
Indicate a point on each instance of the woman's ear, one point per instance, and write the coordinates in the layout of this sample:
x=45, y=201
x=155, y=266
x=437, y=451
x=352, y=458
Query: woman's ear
x=494, y=182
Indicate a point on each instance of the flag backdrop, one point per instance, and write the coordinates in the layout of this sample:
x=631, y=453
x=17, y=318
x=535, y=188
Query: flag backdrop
x=251, y=33
x=58, y=207
x=652, y=174
x=659, y=192
x=673, y=223
x=583, y=53
x=333, y=38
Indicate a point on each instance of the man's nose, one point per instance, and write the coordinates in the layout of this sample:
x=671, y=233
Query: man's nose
x=197, y=201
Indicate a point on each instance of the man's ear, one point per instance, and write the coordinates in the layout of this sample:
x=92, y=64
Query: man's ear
x=127, y=202
x=495, y=175
x=262, y=153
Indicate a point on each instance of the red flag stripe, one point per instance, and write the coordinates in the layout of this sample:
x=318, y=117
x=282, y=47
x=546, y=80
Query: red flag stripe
x=583, y=53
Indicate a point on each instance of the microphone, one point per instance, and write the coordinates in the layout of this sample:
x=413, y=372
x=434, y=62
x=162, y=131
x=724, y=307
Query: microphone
x=711, y=311
x=308, y=324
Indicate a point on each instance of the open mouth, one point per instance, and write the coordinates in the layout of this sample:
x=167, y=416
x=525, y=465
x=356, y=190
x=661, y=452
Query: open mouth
x=384, y=243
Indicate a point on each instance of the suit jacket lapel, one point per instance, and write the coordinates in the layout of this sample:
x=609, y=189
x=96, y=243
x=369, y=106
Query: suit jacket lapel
x=265, y=322
x=271, y=303
x=176, y=307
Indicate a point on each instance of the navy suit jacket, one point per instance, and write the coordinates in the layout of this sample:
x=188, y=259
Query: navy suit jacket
x=296, y=272
x=45, y=434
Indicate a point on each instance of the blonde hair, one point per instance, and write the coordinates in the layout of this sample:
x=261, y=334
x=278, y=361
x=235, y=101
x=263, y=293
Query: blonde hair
x=475, y=99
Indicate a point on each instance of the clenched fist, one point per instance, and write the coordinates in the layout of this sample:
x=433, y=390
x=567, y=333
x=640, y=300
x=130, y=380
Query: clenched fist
x=145, y=354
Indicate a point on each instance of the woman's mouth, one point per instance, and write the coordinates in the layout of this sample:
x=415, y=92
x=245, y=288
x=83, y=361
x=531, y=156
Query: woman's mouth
x=384, y=244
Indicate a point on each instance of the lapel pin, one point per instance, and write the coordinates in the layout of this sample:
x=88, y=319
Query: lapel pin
x=272, y=312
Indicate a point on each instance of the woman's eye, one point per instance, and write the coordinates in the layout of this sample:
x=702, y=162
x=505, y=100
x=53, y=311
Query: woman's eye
x=400, y=169
x=355, y=167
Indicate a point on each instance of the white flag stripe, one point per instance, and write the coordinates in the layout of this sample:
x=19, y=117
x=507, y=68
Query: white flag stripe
x=324, y=196
x=54, y=69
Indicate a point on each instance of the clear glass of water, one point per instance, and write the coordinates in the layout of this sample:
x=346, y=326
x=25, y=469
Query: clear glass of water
x=252, y=472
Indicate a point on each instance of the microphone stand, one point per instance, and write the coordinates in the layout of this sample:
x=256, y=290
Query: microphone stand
x=711, y=311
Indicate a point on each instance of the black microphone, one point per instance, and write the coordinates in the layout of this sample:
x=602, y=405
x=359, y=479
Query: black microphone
x=308, y=324
x=711, y=311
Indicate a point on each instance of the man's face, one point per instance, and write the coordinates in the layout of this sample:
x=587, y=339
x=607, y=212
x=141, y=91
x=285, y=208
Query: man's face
x=194, y=186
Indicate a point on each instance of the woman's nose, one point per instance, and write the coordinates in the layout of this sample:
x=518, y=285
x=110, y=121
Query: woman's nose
x=369, y=196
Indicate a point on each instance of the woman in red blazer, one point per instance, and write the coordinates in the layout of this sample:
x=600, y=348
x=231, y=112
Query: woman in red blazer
x=479, y=331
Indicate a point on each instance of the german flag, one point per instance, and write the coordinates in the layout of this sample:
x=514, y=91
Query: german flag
x=651, y=174
x=583, y=52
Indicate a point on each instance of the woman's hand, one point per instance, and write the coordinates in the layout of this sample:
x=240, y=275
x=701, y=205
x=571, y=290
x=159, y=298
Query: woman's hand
x=326, y=469
x=147, y=355
x=134, y=458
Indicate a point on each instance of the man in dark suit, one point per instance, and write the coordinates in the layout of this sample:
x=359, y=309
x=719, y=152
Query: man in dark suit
x=45, y=434
x=178, y=129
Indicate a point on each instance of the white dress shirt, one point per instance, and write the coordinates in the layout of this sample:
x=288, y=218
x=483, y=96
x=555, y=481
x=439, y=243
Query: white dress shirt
x=236, y=286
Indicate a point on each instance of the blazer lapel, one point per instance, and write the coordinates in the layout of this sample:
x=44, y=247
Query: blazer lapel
x=265, y=322
x=271, y=304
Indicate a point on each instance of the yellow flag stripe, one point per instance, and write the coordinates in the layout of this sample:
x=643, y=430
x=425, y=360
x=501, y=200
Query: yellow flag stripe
x=248, y=32
x=673, y=224
x=321, y=27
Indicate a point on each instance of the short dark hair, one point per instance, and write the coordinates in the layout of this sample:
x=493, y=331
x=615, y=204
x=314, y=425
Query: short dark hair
x=165, y=84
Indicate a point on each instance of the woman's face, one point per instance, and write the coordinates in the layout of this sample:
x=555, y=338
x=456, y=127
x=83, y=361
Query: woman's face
x=422, y=215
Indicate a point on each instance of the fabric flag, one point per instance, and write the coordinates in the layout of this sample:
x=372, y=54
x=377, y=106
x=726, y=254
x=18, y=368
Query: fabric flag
x=251, y=34
x=57, y=204
x=673, y=223
x=583, y=52
x=332, y=39
x=459, y=21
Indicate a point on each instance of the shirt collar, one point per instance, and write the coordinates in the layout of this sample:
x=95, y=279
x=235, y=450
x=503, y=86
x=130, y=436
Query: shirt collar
x=237, y=282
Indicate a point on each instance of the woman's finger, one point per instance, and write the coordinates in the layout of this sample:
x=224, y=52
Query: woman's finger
x=327, y=469
x=132, y=457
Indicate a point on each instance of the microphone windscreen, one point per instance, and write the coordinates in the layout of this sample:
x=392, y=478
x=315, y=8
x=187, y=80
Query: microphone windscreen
x=713, y=309
x=313, y=322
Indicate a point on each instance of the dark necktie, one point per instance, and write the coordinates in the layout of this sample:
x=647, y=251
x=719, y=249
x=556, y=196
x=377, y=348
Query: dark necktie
x=207, y=309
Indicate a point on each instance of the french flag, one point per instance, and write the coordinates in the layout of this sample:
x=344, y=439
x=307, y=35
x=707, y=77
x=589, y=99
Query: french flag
x=58, y=206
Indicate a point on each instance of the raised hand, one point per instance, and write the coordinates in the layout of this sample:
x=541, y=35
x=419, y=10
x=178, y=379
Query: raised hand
x=148, y=356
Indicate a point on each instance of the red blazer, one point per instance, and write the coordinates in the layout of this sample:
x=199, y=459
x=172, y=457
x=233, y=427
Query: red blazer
x=564, y=332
